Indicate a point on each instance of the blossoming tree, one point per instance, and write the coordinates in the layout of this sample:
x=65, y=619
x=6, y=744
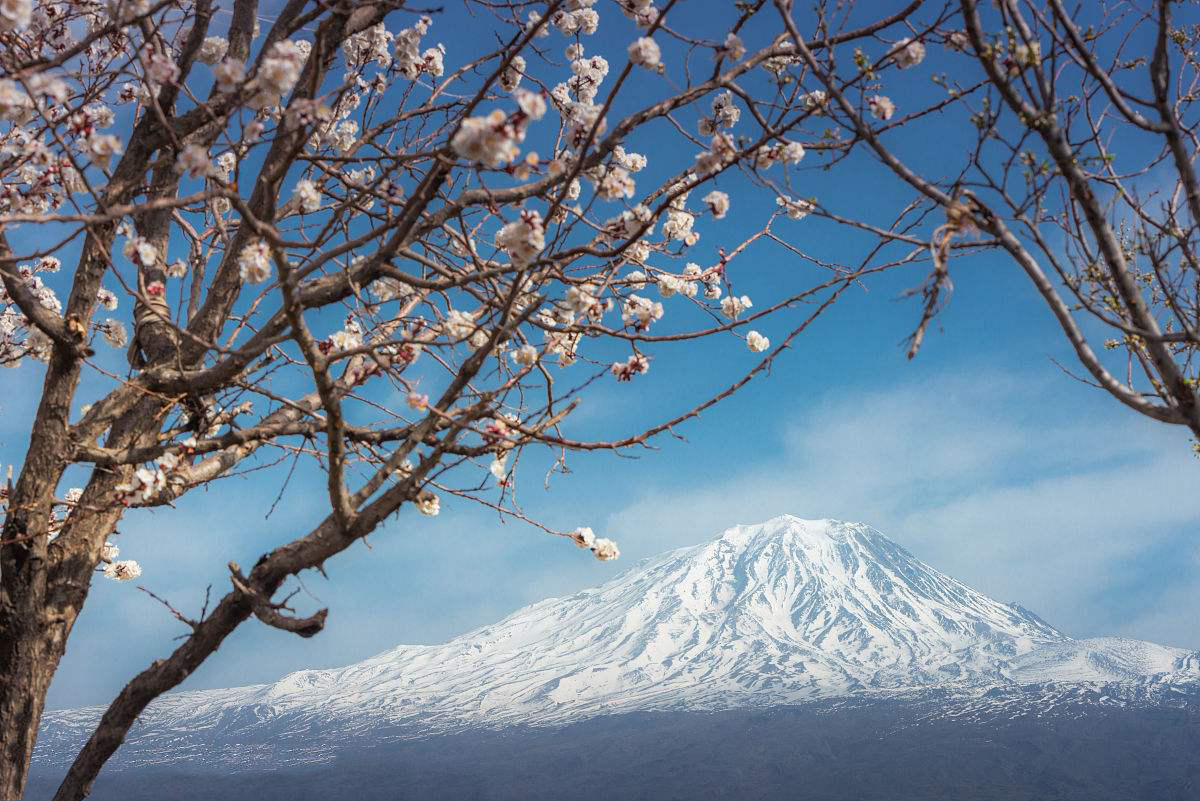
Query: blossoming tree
x=1079, y=127
x=315, y=232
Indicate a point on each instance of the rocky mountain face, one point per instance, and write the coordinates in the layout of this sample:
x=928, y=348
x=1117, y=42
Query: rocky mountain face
x=787, y=613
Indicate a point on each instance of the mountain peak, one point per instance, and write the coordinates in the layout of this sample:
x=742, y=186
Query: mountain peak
x=792, y=527
x=780, y=612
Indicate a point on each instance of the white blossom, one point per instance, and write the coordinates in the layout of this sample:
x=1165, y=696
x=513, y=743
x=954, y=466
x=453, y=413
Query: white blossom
x=372, y=44
x=626, y=370
x=718, y=203
x=512, y=74
x=756, y=342
x=459, y=324
x=1027, y=55
x=795, y=209
x=114, y=333
x=140, y=252
x=497, y=468
x=101, y=148
x=126, y=570
x=428, y=504
x=15, y=15
x=605, y=549
x=109, y=552
x=490, y=140
x=15, y=104
x=641, y=312
x=213, y=50
x=107, y=299
x=193, y=160
x=908, y=53
x=583, y=537
x=229, y=73
x=733, y=47
x=732, y=306
x=277, y=73
x=307, y=195
x=254, y=262
x=644, y=52
x=348, y=338
x=523, y=239
x=525, y=356
x=882, y=108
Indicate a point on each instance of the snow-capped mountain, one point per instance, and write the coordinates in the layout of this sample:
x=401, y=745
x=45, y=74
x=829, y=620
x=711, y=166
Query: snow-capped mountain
x=780, y=613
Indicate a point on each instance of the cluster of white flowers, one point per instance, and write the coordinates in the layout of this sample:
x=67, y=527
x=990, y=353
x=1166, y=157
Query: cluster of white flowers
x=349, y=338
x=114, y=333
x=733, y=306
x=725, y=114
x=410, y=60
x=576, y=16
x=525, y=356
x=642, y=12
x=586, y=74
x=490, y=140
x=307, y=195
x=106, y=298
x=770, y=154
x=193, y=160
x=718, y=203
x=160, y=68
x=524, y=238
x=795, y=209
x=126, y=570
x=15, y=104
x=603, y=549
x=212, y=50
x=228, y=74
x=100, y=148
x=679, y=221
x=721, y=151
x=633, y=162
x=459, y=324
x=644, y=52
x=513, y=74
x=882, y=107
x=634, y=365
x=254, y=262
x=109, y=552
x=908, y=53
x=756, y=342
x=147, y=482
x=641, y=312
x=732, y=47
x=777, y=65
x=613, y=182
x=278, y=72
x=372, y=44
x=1027, y=56
x=140, y=252
x=15, y=15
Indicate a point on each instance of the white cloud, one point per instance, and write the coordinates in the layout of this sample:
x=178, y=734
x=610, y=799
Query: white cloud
x=977, y=479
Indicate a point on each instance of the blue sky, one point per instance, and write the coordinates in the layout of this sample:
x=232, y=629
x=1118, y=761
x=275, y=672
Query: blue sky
x=981, y=456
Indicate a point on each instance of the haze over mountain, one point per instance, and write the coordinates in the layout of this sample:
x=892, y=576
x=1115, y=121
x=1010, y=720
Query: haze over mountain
x=808, y=614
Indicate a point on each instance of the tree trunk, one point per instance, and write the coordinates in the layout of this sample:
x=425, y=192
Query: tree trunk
x=30, y=650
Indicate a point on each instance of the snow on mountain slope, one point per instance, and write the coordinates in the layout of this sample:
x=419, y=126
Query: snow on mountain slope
x=777, y=613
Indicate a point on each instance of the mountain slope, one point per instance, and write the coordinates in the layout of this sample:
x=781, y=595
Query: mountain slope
x=784, y=612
